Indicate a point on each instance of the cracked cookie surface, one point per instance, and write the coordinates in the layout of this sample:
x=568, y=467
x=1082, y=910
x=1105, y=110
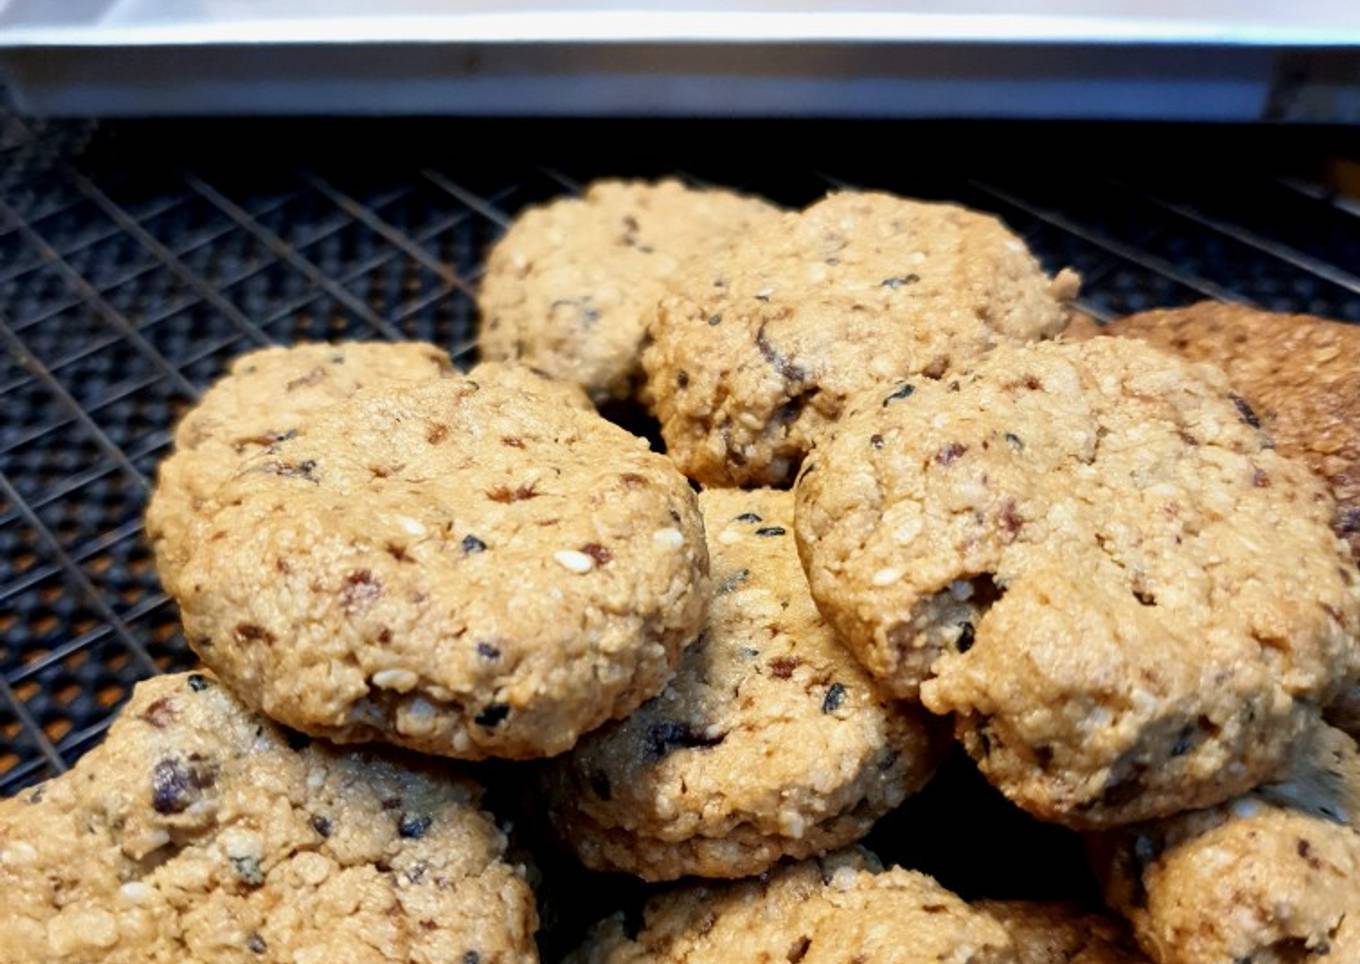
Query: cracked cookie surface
x=842, y=907
x=199, y=831
x=1272, y=877
x=756, y=354
x=570, y=287
x=1091, y=556
x=465, y=566
x=771, y=741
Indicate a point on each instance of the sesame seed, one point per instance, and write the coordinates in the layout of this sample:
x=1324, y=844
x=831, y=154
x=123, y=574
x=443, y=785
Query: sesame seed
x=669, y=537
x=413, y=526
x=573, y=560
x=395, y=679
x=727, y=537
x=886, y=577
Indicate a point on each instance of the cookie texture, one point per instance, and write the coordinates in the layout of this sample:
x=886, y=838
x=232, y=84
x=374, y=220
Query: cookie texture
x=770, y=741
x=571, y=285
x=1273, y=877
x=265, y=396
x=1059, y=933
x=1300, y=374
x=842, y=907
x=1091, y=556
x=462, y=566
x=757, y=353
x=199, y=831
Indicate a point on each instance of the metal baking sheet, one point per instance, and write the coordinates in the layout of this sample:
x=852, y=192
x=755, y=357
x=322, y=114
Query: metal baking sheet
x=1148, y=59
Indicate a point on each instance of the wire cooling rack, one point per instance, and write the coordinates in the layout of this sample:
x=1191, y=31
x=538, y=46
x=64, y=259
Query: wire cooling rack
x=135, y=260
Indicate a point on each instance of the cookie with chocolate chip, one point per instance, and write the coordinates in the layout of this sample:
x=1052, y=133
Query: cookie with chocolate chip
x=1271, y=877
x=771, y=741
x=758, y=352
x=262, y=399
x=1091, y=556
x=465, y=566
x=571, y=285
x=201, y=831
x=1060, y=933
x=842, y=907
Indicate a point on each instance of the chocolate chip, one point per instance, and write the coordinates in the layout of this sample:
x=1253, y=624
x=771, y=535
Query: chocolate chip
x=663, y=738
x=782, y=667
x=747, y=517
x=255, y=944
x=835, y=696
x=413, y=826
x=965, y=640
x=770, y=531
x=1245, y=411
x=321, y=825
x=599, y=782
x=950, y=453
x=904, y=390
x=360, y=590
x=599, y=553
x=172, y=789
x=492, y=715
x=160, y=713
x=487, y=651
x=799, y=950
x=198, y=683
x=505, y=495
x=899, y=280
x=682, y=379
x=436, y=433
x=1014, y=441
x=876, y=441
x=472, y=544
x=250, y=633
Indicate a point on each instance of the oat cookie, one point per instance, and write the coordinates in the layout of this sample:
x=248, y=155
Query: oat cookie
x=1060, y=933
x=464, y=567
x=265, y=395
x=1090, y=555
x=1299, y=373
x=199, y=831
x=570, y=286
x=757, y=354
x=771, y=741
x=843, y=907
x=1272, y=877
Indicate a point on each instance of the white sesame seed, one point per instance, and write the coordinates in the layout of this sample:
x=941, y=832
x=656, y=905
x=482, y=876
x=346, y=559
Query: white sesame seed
x=669, y=537
x=136, y=891
x=395, y=679
x=573, y=560
x=727, y=537
x=888, y=576
x=764, y=292
x=413, y=526
x=907, y=531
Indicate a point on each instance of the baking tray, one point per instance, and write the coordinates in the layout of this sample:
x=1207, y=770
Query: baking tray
x=1152, y=59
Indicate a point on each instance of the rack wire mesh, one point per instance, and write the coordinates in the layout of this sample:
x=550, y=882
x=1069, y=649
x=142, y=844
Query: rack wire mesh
x=131, y=271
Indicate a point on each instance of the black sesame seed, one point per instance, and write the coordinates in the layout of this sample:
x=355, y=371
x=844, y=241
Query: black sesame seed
x=198, y=683
x=1246, y=411
x=876, y=441
x=473, y=544
x=321, y=825
x=256, y=945
x=492, y=715
x=1014, y=441
x=413, y=826
x=487, y=651
x=835, y=696
x=664, y=737
x=715, y=321
x=747, y=517
x=903, y=391
x=731, y=581
x=1182, y=744
x=770, y=531
x=965, y=642
x=899, y=281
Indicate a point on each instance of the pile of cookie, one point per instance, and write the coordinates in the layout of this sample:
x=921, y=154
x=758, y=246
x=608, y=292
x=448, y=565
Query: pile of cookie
x=907, y=507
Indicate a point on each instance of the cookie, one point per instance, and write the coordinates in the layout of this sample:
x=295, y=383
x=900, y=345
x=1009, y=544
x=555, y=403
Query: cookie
x=516, y=377
x=1090, y=555
x=200, y=831
x=571, y=285
x=461, y=566
x=265, y=396
x=771, y=741
x=1059, y=933
x=1272, y=877
x=843, y=907
x=756, y=354
x=1299, y=373
x=1082, y=326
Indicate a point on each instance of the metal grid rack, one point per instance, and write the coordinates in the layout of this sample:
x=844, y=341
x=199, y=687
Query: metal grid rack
x=131, y=270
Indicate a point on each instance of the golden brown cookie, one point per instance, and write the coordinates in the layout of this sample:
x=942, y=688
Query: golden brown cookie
x=264, y=397
x=1300, y=374
x=758, y=353
x=843, y=907
x=1057, y=933
x=464, y=566
x=200, y=831
x=1273, y=877
x=771, y=741
x=570, y=287
x=1090, y=555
